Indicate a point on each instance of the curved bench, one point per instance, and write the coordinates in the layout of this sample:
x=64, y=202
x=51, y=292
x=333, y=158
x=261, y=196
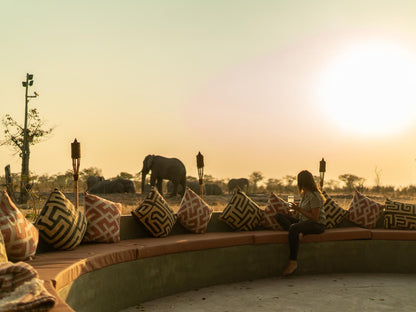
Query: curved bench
x=110, y=277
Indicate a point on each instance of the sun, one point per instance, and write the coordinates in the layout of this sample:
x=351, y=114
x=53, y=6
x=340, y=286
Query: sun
x=370, y=89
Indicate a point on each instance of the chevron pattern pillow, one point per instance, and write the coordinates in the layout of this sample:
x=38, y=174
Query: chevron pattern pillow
x=103, y=220
x=3, y=254
x=334, y=213
x=364, y=211
x=399, y=216
x=274, y=206
x=20, y=236
x=60, y=224
x=155, y=214
x=193, y=213
x=241, y=213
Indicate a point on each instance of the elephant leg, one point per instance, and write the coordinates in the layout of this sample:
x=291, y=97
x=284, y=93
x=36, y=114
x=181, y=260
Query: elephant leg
x=159, y=185
x=175, y=189
x=152, y=179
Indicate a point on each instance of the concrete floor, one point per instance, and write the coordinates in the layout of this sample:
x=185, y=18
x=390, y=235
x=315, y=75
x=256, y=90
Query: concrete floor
x=338, y=292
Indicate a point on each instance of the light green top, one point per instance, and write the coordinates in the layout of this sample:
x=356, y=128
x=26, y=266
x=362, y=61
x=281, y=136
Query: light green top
x=311, y=200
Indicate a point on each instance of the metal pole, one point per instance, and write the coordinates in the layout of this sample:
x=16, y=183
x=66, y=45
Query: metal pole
x=25, y=161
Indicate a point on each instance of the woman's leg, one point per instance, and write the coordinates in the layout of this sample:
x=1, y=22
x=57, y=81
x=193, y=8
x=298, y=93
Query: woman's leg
x=306, y=227
x=285, y=221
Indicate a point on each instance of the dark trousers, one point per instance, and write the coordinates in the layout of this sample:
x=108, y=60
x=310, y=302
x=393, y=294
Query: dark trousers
x=295, y=227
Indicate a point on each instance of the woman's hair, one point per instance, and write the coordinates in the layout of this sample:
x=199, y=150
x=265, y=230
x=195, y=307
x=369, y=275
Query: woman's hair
x=307, y=182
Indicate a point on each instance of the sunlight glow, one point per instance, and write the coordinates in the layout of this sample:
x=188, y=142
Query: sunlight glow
x=370, y=89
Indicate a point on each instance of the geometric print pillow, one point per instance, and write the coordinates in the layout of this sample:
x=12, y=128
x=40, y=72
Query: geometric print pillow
x=334, y=213
x=274, y=206
x=155, y=214
x=241, y=213
x=103, y=220
x=3, y=254
x=193, y=213
x=364, y=211
x=399, y=216
x=20, y=236
x=60, y=224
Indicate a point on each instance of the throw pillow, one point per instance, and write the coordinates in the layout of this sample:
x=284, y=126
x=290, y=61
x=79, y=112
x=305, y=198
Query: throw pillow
x=241, y=213
x=103, y=220
x=193, y=213
x=364, y=211
x=3, y=254
x=155, y=214
x=400, y=216
x=20, y=236
x=334, y=213
x=274, y=206
x=60, y=224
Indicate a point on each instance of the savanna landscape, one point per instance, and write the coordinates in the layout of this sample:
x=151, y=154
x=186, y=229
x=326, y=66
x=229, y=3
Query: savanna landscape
x=341, y=190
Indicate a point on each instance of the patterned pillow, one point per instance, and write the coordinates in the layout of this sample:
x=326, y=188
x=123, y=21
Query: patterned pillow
x=3, y=254
x=274, y=206
x=193, y=213
x=60, y=224
x=241, y=213
x=364, y=211
x=20, y=236
x=334, y=213
x=399, y=216
x=103, y=220
x=155, y=214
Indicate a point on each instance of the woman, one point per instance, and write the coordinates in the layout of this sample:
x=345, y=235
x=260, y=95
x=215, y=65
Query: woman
x=311, y=217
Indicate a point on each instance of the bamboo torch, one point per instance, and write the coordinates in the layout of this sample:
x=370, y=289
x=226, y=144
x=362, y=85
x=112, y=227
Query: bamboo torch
x=76, y=158
x=200, y=166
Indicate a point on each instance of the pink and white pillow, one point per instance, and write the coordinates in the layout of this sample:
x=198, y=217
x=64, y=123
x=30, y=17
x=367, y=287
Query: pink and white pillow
x=20, y=236
x=274, y=206
x=194, y=214
x=103, y=220
x=364, y=211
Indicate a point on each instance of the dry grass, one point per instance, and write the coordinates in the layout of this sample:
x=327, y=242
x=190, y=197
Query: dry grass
x=216, y=202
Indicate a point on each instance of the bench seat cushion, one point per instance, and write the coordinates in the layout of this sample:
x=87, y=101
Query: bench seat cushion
x=393, y=234
x=339, y=234
x=270, y=237
x=186, y=242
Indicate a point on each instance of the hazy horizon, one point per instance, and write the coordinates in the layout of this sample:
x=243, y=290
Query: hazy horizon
x=270, y=86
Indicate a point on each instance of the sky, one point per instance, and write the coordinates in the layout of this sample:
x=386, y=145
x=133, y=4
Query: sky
x=269, y=86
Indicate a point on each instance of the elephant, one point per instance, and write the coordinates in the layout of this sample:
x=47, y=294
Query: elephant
x=163, y=168
x=112, y=186
x=242, y=183
x=209, y=188
x=92, y=180
x=212, y=189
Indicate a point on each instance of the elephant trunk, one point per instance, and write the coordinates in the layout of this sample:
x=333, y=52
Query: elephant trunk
x=144, y=173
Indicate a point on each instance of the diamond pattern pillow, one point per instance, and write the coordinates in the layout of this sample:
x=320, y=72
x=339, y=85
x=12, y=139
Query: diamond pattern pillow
x=241, y=213
x=274, y=206
x=193, y=213
x=3, y=254
x=364, y=211
x=20, y=236
x=334, y=213
x=155, y=214
x=103, y=220
x=399, y=216
x=60, y=224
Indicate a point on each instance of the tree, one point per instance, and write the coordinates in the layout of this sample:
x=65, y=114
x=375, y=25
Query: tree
x=125, y=175
x=274, y=185
x=15, y=137
x=352, y=181
x=256, y=177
